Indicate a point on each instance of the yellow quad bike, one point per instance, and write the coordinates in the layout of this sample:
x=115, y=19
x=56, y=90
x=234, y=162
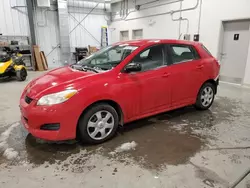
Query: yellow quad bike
x=12, y=64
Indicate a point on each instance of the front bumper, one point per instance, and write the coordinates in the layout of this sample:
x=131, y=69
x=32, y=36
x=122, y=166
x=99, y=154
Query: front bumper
x=33, y=117
x=217, y=82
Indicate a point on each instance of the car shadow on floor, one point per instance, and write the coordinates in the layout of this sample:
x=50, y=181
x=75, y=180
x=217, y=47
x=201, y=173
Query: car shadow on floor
x=166, y=138
x=157, y=143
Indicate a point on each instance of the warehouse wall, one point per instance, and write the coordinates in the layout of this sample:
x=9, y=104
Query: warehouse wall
x=212, y=14
x=48, y=32
x=93, y=23
x=13, y=21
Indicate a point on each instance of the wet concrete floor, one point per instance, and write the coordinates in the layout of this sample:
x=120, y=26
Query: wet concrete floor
x=205, y=148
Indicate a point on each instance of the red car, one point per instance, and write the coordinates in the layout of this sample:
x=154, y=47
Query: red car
x=119, y=84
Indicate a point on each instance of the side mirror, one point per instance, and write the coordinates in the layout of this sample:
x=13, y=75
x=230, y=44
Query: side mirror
x=133, y=67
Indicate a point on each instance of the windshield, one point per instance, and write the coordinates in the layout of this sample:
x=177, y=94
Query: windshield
x=108, y=57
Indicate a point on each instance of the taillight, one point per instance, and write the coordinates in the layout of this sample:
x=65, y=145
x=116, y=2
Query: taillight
x=218, y=61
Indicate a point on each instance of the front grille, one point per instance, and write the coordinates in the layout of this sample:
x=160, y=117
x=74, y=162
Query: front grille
x=28, y=100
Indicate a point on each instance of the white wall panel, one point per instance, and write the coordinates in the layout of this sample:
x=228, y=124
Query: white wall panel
x=93, y=23
x=213, y=13
x=47, y=33
x=13, y=21
x=162, y=27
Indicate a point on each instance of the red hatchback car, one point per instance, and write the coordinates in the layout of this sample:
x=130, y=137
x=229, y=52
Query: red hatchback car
x=119, y=84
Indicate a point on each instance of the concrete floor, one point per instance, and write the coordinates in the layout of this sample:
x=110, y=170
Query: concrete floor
x=182, y=148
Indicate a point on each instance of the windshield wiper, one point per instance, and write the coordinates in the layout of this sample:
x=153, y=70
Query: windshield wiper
x=90, y=68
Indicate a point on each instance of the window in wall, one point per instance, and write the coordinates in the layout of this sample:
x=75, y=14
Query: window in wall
x=183, y=53
x=124, y=35
x=150, y=58
x=137, y=34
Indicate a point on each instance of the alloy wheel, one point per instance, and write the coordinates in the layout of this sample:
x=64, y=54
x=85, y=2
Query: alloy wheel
x=100, y=125
x=207, y=96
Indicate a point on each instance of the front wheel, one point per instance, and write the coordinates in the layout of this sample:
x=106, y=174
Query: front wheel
x=205, y=97
x=98, y=124
x=21, y=74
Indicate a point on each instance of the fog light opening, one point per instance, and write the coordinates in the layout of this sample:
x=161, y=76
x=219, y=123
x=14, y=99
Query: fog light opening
x=50, y=127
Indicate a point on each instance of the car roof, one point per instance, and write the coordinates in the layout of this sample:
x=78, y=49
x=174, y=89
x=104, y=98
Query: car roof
x=156, y=41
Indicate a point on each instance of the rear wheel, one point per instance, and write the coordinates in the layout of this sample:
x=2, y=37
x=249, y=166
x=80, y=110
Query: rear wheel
x=98, y=124
x=205, y=97
x=21, y=74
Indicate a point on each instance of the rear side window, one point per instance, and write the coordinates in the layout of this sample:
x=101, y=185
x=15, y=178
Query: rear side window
x=183, y=53
x=204, y=47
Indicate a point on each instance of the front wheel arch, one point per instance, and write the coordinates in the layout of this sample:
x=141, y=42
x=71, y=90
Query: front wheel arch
x=112, y=103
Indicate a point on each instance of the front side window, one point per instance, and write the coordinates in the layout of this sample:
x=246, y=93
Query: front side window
x=183, y=53
x=150, y=58
x=108, y=58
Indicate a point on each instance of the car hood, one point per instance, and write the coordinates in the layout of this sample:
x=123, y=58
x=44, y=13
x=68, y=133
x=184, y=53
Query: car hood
x=55, y=80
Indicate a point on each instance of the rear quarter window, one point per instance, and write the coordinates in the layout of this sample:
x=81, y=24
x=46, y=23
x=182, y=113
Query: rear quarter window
x=204, y=47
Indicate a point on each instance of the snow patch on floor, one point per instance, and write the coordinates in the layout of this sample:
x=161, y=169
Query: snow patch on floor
x=9, y=153
x=125, y=147
x=179, y=127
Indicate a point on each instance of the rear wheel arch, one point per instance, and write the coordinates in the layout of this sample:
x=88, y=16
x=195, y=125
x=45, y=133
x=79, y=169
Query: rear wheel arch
x=212, y=82
x=206, y=95
x=208, y=81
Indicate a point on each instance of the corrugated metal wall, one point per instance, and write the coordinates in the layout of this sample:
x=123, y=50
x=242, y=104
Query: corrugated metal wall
x=13, y=17
x=80, y=37
x=47, y=32
x=14, y=21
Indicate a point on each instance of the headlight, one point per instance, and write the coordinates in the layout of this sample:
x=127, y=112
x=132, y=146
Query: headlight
x=56, y=98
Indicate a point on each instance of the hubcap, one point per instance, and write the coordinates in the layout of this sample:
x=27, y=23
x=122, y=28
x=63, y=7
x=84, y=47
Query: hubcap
x=100, y=125
x=207, y=96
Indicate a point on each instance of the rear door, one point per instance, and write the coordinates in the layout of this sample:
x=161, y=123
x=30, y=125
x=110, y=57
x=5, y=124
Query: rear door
x=185, y=74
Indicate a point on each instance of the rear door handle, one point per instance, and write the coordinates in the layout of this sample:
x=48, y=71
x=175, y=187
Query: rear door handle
x=200, y=66
x=166, y=75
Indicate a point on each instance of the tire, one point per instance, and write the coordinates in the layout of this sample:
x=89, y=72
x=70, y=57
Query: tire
x=205, y=96
x=99, y=120
x=21, y=74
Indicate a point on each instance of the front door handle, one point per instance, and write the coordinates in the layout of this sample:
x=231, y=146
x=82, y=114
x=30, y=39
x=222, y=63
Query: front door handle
x=166, y=75
x=200, y=67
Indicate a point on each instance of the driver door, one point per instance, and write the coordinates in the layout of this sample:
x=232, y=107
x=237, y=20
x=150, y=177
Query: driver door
x=151, y=83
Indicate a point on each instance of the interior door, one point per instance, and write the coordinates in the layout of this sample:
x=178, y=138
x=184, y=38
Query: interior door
x=186, y=74
x=234, y=51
